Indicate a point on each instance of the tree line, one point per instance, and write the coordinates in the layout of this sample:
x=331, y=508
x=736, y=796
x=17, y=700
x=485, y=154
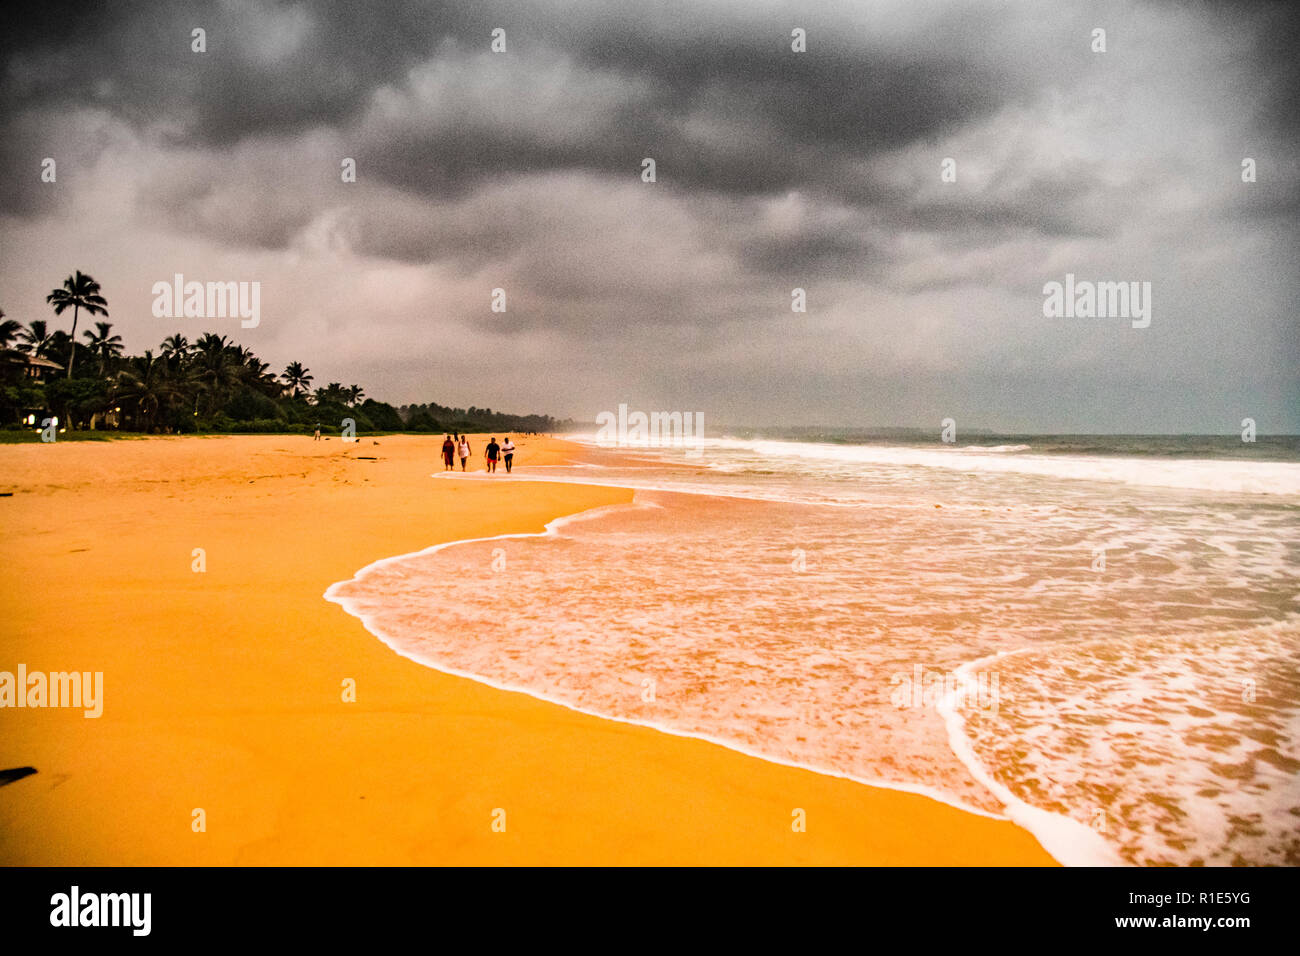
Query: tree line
x=211, y=384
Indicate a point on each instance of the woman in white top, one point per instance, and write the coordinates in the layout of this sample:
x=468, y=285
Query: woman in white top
x=463, y=450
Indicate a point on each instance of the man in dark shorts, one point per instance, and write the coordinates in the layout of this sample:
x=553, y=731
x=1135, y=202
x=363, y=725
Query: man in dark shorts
x=449, y=454
x=492, y=451
x=507, y=452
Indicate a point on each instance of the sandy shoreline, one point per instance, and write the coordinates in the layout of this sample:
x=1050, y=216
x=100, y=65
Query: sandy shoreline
x=223, y=689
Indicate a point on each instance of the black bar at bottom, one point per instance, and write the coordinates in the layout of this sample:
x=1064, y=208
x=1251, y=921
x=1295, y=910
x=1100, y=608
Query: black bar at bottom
x=327, y=906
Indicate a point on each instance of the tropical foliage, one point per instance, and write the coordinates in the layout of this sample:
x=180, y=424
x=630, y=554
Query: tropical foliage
x=208, y=384
x=78, y=292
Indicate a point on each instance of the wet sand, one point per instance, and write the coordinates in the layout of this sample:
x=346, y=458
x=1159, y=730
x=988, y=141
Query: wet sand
x=224, y=690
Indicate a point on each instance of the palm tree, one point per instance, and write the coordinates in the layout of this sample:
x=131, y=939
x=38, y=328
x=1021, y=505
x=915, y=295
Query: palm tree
x=35, y=338
x=176, y=348
x=81, y=292
x=9, y=330
x=60, y=342
x=297, y=377
x=355, y=394
x=103, y=343
x=261, y=378
x=145, y=384
x=333, y=392
x=211, y=342
x=215, y=368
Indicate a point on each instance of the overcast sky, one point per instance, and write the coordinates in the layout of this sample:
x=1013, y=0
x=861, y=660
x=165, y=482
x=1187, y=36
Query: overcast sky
x=775, y=169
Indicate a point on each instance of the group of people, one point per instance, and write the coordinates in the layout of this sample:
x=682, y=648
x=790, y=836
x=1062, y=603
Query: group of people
x=459, y=445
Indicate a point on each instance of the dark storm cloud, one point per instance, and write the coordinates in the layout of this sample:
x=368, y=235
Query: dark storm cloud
x=775, y=170
x=1276, y=29
x=712, y=93
x=277, y=67
x=284, y=68
x=730, y=113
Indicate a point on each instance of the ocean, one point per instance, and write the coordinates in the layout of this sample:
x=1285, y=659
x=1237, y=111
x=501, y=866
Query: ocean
x=1097, y=637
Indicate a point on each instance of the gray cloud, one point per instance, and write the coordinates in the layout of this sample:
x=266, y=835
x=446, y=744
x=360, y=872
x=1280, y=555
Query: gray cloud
x=775, y=169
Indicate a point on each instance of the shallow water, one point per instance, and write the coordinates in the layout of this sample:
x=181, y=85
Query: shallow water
x=1138, y=636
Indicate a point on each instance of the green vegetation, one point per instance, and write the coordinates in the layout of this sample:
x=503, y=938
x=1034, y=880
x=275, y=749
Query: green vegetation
x=209, y=385
x=437, y=418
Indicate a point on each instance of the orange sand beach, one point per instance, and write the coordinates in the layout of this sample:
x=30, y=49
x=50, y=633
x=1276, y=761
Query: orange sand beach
x=223, y=690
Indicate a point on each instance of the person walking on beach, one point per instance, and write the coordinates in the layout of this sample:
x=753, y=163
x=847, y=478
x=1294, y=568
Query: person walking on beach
x=491, y=452
x=464, y=451
x=448, y=454
x=508, y=452
x=317, y=437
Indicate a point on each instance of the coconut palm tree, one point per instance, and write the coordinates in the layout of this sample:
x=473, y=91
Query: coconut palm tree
x=104, y=343
x=297, y=377
x=60, y=342
x=215, y=368
x=176, y=348
x=261, y=378
x=146, y=384
x=333, y=392
x=355, y=394
x=35, y=339
x=9, y=330
x=81, y=292
x=210, y=342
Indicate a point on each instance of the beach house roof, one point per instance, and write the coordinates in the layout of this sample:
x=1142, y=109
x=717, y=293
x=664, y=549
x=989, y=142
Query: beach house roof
x=34, y=366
